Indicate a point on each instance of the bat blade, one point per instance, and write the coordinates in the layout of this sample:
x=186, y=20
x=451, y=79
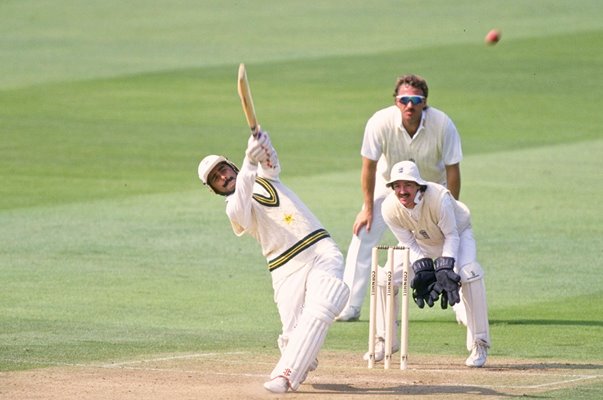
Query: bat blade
x=247, y=100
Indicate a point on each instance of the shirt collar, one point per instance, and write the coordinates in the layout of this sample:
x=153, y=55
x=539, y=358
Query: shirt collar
x=421, y=124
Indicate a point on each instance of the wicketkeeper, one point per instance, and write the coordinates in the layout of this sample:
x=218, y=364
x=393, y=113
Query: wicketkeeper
x=305, y=264
x=437, y=228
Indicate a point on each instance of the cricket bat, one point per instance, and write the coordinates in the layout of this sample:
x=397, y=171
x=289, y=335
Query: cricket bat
x=247, y=100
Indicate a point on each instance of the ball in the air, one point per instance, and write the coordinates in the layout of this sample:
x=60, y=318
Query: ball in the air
x=492, y=37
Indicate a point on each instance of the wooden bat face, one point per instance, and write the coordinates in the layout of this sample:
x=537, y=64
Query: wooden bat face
x=246, y=99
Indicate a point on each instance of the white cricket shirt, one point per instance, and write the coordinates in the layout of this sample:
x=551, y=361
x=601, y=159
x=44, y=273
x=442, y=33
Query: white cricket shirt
x=436, y=144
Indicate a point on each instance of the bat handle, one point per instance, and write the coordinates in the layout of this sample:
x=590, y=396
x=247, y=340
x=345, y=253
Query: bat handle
x=255, y=130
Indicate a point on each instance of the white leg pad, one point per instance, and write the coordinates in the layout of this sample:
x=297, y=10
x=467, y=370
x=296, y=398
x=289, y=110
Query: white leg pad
x=473, y=295
x=326, y=297
x=282, y=342
x=471, y=272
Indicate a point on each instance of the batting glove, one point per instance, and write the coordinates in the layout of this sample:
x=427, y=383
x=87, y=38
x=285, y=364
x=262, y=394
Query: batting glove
x=272, y=161
x=258, y=148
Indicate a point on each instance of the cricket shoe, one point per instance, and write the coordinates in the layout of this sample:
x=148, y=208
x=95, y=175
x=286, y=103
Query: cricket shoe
x=349, y=314
x=279, y=384
x=478, y=355
x=380, y=350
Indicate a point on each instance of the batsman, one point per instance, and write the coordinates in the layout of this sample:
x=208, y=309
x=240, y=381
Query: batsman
x=305, y=264
x=425, y=217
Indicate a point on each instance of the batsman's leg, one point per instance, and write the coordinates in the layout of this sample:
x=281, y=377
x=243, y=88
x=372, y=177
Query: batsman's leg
x=326, y=297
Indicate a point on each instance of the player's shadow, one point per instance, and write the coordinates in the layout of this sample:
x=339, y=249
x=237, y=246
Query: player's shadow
x=409, y=390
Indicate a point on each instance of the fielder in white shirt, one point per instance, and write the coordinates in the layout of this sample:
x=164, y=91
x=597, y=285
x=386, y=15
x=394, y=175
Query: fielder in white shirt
x=305, y=264
x=407, y=130
x=426, y=218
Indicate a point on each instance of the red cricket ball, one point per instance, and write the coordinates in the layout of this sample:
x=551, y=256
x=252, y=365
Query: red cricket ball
x=492, y=37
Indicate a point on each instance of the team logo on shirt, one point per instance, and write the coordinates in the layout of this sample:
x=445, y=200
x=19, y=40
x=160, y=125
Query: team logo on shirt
x=424, y=233
x=270, y=200
x=288, y=218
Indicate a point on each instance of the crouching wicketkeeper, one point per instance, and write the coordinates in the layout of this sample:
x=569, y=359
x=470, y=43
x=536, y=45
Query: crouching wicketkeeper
x=437, y=228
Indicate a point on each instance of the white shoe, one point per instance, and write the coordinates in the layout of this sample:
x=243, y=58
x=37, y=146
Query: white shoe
x=380, y=350
x=349, y=314
x=277, y=385
x=478, y=355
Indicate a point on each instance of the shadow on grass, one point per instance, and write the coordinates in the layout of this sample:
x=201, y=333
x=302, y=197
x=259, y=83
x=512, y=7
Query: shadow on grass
x=545, y=322
x=545, y=366
x=416, y=390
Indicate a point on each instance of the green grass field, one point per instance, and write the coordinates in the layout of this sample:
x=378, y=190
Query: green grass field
x=111, y=248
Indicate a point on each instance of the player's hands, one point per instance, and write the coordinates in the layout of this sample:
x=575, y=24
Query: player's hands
x=423, y=283
x=364, y=218
x=259, y=148
x=271, y=161
x=448, y=281
x=263, y=138
x=253, y=151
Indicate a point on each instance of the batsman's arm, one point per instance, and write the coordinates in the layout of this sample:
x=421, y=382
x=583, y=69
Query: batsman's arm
x=238, y=206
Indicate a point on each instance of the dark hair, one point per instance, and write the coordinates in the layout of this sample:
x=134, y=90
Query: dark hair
x=415, y=81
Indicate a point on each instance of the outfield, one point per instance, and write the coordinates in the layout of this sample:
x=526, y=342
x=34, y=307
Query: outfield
x=118, y=268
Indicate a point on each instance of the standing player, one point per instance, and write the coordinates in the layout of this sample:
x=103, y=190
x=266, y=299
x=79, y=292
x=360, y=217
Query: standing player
x=407, y=130
x=306, y=265
x=437, y=229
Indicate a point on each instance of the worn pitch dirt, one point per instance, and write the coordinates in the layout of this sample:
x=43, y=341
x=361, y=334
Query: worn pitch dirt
x=339, y=376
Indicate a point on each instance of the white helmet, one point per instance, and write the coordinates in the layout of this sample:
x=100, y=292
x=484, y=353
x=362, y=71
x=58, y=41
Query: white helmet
x=207, y=164
x=405, y=171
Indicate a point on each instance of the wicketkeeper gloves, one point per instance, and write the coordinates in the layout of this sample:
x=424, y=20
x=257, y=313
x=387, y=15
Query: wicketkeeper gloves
x=448, y=281
x=423, y=283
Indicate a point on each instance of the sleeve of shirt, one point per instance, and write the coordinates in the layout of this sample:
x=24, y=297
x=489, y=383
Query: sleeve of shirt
x=371, y=146
x=238, y=207
x=452, y=152
x=447, y=225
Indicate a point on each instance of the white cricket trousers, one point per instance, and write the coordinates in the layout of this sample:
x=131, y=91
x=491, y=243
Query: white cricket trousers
x=290, y=292
x=308, y=301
